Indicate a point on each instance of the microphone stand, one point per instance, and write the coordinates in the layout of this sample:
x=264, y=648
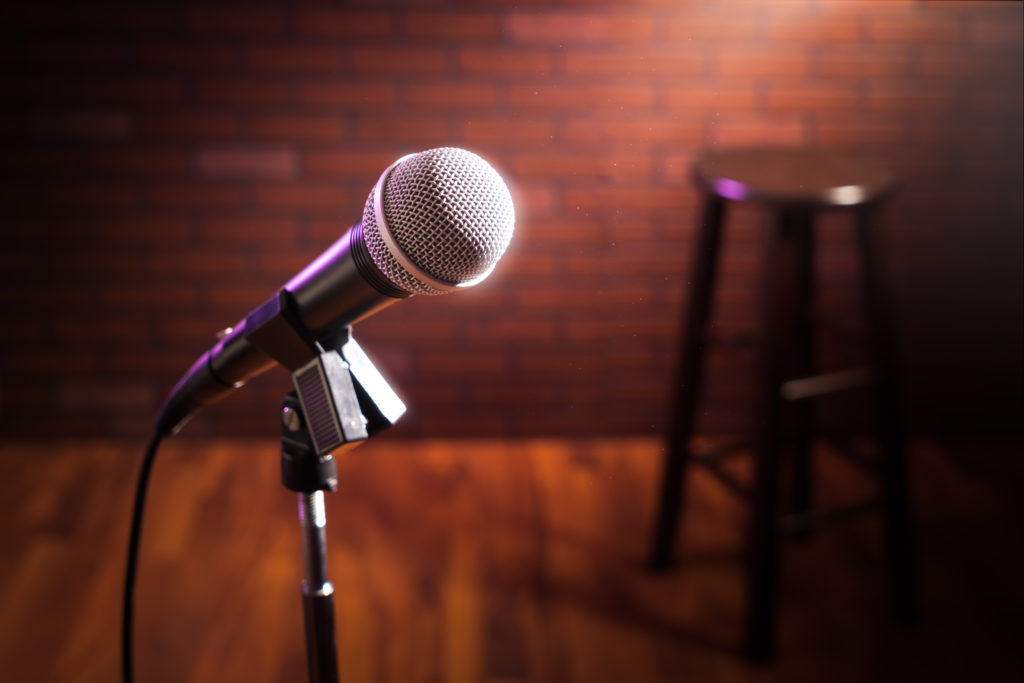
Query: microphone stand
x=340, y=400
x=303, y=471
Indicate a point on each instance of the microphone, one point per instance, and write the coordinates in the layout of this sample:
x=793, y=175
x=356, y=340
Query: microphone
x=435, y=222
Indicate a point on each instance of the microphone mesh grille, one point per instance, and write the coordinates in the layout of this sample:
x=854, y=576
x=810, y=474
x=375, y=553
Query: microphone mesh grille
x=449, y=212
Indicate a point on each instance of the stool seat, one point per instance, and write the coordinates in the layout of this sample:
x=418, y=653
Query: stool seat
x=794, y=176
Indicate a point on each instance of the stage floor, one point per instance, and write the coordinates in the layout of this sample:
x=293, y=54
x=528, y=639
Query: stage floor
x=490, y=561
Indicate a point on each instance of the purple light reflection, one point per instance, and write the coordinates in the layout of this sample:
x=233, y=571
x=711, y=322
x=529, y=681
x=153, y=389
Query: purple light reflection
x=730, y=189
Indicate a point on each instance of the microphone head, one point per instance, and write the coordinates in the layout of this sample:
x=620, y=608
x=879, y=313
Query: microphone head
x=438, y=221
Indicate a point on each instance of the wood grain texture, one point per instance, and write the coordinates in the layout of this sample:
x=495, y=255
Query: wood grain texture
x=483, y=561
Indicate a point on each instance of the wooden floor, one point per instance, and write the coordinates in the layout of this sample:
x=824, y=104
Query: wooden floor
x=464, y=561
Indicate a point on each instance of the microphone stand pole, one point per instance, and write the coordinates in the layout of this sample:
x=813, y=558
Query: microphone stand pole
x=303, y=471
x=340, y=400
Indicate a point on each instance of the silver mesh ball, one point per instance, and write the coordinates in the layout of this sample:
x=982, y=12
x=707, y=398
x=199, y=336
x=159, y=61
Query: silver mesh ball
x=449, y=212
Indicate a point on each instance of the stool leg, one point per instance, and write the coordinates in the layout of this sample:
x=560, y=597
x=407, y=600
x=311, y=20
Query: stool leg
x=687, y=384
x=762, y=561
x=882, y=346
x=804, y=362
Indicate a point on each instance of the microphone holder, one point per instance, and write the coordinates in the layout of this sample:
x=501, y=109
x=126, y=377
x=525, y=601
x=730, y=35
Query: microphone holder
x=340, y=400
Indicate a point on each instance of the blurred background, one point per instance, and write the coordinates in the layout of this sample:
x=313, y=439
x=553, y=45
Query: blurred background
x=170, y=165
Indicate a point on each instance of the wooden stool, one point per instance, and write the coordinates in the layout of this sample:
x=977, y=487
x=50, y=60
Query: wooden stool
x=794, y=183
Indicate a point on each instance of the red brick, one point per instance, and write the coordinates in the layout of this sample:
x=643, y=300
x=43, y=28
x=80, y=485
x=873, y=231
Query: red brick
x=186, y=55
x=125, y=17
x=948, y=63
x=91, y=194
x=825, y=29
x=201, y=262
x=514, y=329
x=452, y=95
x=518, y=265
x=162, y=296
x=339, y=23
x=241, y=92
x=246, y=162
x=746, y=131
x=560, y=361
x=400, y=61
x=620, y=298
x=476, y=130
x=91, y=330
x=903, y=98
x=355, y=164
x=325, y=231
x=450, y=25
x=924, y=28
x=293, y=58
x=257, y=229
x=434, y=328
x=630, y=259
x=718, y=96
x=48, y=162
x=347, y=95
x=51, y=16
x=188, y=126
x=195, y=195
x=298, y=128
x=17, y=261
x=562, y=164
x=1008, y=101
x=455, y=423
x=490, y=62
x=146, y=362
x=601, y=63
x=476, y=361
x=719, y=27
x=14, y=330
x=581, y=329
x=531, y=198
x=635, y=130
x=427, y=132
x=580, y=96
x=137, y=231
x=47, y=362
x=557, y=231
x=863, y=63
x=238, y=297
x=780, y=63
x=632, y=229
x=151, y=161
x=132, y=90
x=70, y=52
x=996, y=32
x=248, y=21
x=854, y=133
x=63, y=297
x=592, y=198
x=677, y=164
x=802, y=97
x=193, y=332
x=21, y=87
x=304, y=196
x=566, y=28
x=98, y=124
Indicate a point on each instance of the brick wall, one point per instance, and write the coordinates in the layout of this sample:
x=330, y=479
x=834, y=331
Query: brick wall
x=168, y=166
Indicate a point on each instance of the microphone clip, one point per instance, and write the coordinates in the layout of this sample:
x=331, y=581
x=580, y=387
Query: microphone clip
x=340, y=397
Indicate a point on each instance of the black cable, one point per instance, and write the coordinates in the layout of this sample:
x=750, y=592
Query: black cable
x=133, y=556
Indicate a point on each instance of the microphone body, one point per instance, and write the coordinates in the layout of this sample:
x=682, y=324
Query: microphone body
x=435, y=221
x=337, y=289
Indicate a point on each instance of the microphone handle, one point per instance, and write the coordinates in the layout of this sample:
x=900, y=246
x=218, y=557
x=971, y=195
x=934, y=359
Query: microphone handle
x=340, y=287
